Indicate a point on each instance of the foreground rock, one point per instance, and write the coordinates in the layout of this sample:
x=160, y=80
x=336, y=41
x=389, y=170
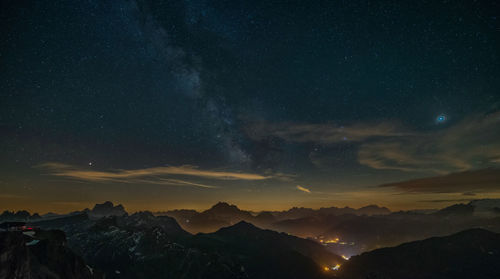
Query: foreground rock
x=40, y=255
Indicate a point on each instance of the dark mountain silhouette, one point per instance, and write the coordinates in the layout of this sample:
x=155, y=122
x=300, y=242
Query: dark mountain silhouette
x=223, y=208
x=486, y=207
x=301, y=212
x=106, y=209
x=21, y=215
x=268, y=254
x=41, y=256
x=358, y=230
x=456, y=210
x=264, y=218
x=272, y=240
x=127, y=243
x=227, y=212
x=473, y=253
x=479, y=208
x=145, y=220
x=372, y=232
x=294, y=213
x=220, y=215
x=142, y=245
x=223, y=214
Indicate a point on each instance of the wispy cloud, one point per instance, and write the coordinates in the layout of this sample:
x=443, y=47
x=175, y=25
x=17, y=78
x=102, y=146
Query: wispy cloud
x=303, y=189
x=447, y=200
x=326, y=133
x=467, y=182
x=157, y=175
x=164, y=181
x=9, y=196
x=472, y=143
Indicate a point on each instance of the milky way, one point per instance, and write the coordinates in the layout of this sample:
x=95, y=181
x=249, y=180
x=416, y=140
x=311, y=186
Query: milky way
x=304, y=94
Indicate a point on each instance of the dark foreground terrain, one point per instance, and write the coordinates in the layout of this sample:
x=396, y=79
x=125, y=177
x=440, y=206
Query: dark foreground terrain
x=142, y=245
x=107, y=242
x=472, y=253
x=40, y=255
x=240, y=251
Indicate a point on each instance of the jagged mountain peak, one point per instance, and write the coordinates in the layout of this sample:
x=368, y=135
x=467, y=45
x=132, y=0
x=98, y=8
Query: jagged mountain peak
x=224, y=206
x=107, y=209
x=107, y=205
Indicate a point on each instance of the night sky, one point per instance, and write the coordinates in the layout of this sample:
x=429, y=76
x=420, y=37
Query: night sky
x=264, y=104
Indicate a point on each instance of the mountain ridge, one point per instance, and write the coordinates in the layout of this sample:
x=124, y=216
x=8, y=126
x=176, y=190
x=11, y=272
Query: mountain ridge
x=472, y=253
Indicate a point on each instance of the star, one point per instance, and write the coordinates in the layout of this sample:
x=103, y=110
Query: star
x=440, y=119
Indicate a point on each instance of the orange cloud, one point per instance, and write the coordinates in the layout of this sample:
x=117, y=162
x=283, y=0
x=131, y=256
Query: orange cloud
x=157, y=175
x=300, y=188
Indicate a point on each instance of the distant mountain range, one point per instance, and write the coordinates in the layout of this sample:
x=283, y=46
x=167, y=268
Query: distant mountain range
x=142, y=245
x=98, y=211
x=364, y=229
x=223, y=214
x=18, y=216
x=116, y=244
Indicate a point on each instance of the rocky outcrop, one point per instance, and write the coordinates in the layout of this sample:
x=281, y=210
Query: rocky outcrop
x=40, y=255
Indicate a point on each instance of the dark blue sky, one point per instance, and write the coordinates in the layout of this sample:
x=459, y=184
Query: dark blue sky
x=336, y=96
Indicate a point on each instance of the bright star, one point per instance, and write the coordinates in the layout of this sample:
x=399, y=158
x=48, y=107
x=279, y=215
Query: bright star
x=441, y=119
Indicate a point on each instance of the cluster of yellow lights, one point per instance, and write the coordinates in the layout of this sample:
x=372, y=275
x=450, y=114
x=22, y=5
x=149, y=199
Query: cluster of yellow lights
x=345, y=257
x=335, y=267
x=335, y=240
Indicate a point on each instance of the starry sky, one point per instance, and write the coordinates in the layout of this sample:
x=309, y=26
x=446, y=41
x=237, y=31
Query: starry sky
x=265, y=104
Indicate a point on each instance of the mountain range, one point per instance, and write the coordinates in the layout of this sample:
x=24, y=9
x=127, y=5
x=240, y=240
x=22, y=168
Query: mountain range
x=110, y=242
x=142, y=245
x=224, y=214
